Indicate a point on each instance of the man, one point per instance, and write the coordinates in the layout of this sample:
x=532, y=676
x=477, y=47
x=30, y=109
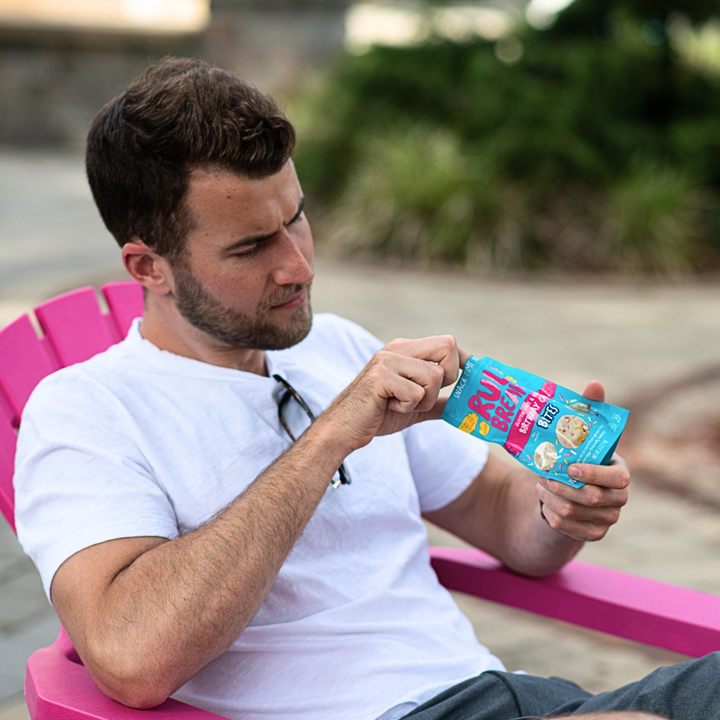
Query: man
x=189, y=544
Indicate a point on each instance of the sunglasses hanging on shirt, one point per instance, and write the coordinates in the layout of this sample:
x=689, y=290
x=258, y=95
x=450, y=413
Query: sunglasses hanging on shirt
x=291, y=392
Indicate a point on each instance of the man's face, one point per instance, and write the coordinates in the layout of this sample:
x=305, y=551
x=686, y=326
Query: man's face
x=244, y=276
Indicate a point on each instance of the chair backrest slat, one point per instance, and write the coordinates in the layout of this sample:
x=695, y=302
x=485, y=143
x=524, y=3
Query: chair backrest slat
x=75, y=326
x=75, y=330
x=125, y=302
x=6, y=409
x=24, y=362
x=8, y=440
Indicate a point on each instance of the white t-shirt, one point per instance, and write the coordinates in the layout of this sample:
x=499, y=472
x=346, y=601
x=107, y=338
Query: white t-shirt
x=140, y=442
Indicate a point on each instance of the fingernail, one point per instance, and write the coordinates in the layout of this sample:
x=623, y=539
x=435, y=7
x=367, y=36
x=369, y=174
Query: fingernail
x=575, y=471
x=538, y=488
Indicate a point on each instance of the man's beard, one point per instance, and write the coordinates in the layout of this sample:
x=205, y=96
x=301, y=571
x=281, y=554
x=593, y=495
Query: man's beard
x=238, y=329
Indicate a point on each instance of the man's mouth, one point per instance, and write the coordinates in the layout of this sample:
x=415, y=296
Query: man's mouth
x=293, y=302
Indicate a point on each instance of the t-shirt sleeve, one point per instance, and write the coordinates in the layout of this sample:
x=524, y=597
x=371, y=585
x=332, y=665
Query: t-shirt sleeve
x=80, y=475
x=350, y=344
x=443, y=461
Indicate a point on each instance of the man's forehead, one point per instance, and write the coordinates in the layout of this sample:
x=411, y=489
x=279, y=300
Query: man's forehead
x=218, y=185
x=215, y=193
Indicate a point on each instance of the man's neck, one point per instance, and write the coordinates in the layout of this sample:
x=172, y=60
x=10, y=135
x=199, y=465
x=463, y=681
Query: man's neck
x=165, y=328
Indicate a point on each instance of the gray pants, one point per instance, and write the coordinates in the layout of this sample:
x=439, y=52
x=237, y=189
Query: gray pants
x=687, y=691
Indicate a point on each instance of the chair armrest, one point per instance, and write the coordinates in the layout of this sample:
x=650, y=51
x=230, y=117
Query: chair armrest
x=651, y=612
x=58, y=687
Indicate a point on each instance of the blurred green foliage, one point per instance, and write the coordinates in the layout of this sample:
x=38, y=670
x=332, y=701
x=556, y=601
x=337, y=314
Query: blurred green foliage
x=594, y=151
x=582, y=16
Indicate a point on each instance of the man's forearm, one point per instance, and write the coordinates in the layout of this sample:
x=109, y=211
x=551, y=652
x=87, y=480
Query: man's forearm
x=181, y=604
x=500, y=514
x=532, y=546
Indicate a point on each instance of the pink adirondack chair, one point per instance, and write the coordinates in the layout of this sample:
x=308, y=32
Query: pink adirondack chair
x=57, y=685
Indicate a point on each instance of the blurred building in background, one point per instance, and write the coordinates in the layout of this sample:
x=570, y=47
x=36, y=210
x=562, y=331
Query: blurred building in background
x=274, y=43
x=61, y=60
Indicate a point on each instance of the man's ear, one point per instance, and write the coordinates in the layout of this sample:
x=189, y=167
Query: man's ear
x=147, y=267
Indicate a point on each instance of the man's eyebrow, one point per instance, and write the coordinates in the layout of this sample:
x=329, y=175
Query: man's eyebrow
x=254, y=239
x=301, y=207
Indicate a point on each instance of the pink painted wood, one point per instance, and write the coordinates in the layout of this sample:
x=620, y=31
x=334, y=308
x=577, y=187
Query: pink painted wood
x=628, y=606
x=75, y=326
x=24, y=362
x=57, y=685
x=7, y=458
x=125, y=301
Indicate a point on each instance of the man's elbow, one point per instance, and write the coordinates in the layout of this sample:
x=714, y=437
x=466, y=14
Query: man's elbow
x=137, y=693
x=535, y=572
x=130, y=681
x=137, y=697
x=540, y=566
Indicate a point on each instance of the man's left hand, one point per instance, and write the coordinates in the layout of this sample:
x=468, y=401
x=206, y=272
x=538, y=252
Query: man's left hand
x=586, y=513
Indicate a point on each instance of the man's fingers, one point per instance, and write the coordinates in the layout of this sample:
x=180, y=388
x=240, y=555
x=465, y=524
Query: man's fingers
x=398, y=387
x=594, y=390
x=441, y=350
x=435, y=411
x=601, y=481
x=463, y=355
x=615, y=475
x=592, y=498
x=576, y=527
x=427, y=376
x=408, y=384
x=588, y=512
x=405, y=396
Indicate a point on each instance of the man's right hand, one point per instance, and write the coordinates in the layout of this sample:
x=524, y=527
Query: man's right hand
x=397, y=388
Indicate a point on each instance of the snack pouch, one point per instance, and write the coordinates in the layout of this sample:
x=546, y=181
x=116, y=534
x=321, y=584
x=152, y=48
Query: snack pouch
x=544, y=426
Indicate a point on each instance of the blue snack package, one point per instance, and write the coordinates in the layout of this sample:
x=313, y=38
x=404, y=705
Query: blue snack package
x=542, y=425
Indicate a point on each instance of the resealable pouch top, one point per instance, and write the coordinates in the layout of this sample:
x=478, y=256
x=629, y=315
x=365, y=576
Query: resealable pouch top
x=543, y=425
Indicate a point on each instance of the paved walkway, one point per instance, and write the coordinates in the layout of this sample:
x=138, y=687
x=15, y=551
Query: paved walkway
x=631, y=335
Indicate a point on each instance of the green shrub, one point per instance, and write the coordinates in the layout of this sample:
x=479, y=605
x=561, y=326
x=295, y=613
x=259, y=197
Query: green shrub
x=658, y=217
x=440, y=152
x=416, y=196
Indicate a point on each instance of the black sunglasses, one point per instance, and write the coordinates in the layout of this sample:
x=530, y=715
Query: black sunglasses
x=291, y=392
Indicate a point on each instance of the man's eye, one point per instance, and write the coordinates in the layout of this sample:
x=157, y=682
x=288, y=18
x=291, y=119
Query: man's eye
x=247, y=250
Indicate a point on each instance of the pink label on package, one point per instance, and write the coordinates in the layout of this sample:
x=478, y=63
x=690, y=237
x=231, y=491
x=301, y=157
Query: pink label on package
x=529, y=412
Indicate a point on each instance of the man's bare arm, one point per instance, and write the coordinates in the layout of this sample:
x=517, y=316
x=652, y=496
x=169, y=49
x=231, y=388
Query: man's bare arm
x=145, y=614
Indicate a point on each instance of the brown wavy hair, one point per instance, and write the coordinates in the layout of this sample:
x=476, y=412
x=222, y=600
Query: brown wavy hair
x=177, y=116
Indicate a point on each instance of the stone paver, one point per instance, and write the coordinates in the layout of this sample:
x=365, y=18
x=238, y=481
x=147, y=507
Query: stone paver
x=14, y=709
x=27, y=621
x=629, y=334
x=51, y=236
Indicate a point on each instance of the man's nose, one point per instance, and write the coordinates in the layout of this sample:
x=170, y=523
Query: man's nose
x=295, y=260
